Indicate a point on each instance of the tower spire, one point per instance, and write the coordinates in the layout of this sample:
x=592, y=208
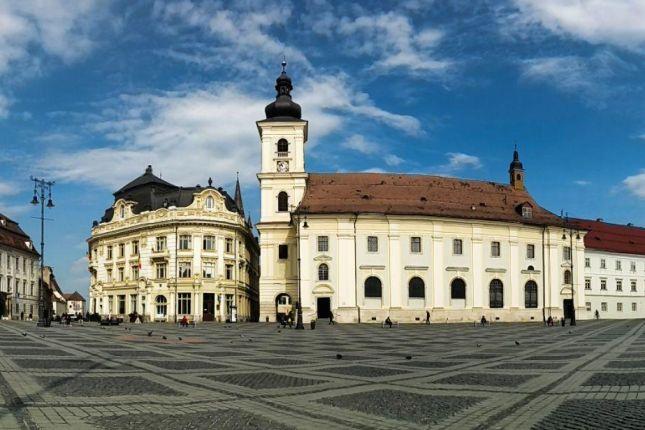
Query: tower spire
x=283, y=107
x=516, y=171
x=238, y=195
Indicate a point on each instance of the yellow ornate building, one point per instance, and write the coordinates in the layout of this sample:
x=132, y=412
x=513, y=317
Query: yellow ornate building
x=165, y=251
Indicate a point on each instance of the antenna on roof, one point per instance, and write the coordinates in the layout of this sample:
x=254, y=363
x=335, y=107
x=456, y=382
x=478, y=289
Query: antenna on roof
x=284, y=63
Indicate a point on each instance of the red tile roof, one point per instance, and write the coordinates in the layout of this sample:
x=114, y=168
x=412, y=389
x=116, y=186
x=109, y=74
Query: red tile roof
x=398, y=194
x=608, y=237
x=75, y=296
x=12, y=236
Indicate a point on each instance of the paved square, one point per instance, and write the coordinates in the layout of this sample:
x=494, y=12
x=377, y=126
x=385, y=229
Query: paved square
x=256, y=376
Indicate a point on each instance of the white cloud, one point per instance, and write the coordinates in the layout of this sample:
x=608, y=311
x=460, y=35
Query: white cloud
x=394, y=43
x=393, y=160
x=636, y=184
x=590, y=78
x=359, y=144
x=4, y=106
x=616, y=22
x=9, y=188
x=582, y=183
x=459, y=160
x=374, y=170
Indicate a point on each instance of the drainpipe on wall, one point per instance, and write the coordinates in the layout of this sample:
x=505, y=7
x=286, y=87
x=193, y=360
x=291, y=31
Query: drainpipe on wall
x=358, y=308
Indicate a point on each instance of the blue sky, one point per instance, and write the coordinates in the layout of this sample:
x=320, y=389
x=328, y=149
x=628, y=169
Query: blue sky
x=92, y=92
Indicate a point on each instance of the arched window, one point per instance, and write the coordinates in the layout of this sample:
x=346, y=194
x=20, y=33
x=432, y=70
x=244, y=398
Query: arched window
x=531, y=268
x=283, y=299
x=567, y=277
x=122, y=211
x=210, y=202
x=416, y=288
x=458, y=289
x=323, y=272
x=496, y=294
x=373, y=287
x=162, y=305
x=530, y=295
x=283, y=145
x=283, y=202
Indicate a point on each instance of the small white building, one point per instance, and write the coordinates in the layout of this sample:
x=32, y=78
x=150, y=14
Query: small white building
x=75, y=303
x=614, y=269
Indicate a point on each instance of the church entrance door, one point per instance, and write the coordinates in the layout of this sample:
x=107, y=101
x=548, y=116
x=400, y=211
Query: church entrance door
x=323, y=307
x=567, y=305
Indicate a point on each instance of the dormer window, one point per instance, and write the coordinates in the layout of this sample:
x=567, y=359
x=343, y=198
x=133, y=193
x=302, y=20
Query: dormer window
x=210, y=202
x=122, y=212
x=527, y=212
x=283, y=148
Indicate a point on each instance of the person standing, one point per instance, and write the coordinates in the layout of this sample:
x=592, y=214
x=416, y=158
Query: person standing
x=427, y=317
x=331, y=318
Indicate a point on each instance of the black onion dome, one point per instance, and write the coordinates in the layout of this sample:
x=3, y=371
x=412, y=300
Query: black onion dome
x=516, y=163
x=283, y=107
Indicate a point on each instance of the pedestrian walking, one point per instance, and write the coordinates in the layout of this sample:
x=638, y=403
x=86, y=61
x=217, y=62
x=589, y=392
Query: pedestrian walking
x=427, y=317
x=331, y=318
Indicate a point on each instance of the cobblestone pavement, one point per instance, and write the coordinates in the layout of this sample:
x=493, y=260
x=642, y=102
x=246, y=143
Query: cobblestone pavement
x=256, y=376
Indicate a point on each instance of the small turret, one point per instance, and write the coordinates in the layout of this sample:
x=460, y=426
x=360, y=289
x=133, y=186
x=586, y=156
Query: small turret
x=238, y=195
x=516, y=172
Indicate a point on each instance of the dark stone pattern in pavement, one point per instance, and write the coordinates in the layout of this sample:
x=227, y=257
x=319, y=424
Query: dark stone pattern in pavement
x=103, y=386
x=528, y=365
x=264, y=380
x=232, y=419
x=638, y=364
x=616, y=379
x=418, y=408
x=595, y=414
x=36, y=351
x=186, y=364
x=486, y=379
x=363, y=371
x=46, y=363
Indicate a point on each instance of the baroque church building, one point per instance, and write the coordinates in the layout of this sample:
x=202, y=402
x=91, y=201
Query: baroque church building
x=366, y=246
x=165, y=252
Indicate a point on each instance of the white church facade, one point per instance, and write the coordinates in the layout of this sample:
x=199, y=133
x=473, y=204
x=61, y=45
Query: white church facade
x=366, y=246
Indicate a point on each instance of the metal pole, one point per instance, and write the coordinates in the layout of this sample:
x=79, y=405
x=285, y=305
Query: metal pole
x=573, y=282
x=299, y=325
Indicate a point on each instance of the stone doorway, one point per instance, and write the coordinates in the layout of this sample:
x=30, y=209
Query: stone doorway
x=209, y=307
x=323, y=307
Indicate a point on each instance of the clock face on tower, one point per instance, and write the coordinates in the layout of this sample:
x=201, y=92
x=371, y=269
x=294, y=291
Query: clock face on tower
x=283, y=166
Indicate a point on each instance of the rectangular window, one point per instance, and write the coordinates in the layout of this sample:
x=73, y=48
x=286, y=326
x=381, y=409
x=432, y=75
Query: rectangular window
x=184, y=303
x=603, y=306
x=135, y=272
x=587, y=284
x=633, y=286
x=160, y=243
x=619, y=285
x=121, y=304
x=110, y=304
x=208, y=269
x=588, y=306
x=415, y=245
x=283, y=252
x=109, y=275
x=228, y=245
x=185, y=241
x=619, y=265
x=457, y=247
x=109, y=252
x=323, y=243
x=161, y=270
x=530, y=251
x=133, y=303
x=632, y=266
x=135, y=247
x=603, y=284
x=619, y=307
x=208, y=243
x=634, y=307
x=603, y=263
x=566, y=253
x=372, y=244
x=121, y=274
x=185, y=269
x=587, y=262
x=229, y=271
x=495, y=249
x=121, y=250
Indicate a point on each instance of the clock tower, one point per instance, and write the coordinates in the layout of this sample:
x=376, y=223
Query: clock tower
x=282, y=177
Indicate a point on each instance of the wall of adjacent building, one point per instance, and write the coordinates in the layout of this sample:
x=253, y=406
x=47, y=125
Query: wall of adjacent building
x=19, y=282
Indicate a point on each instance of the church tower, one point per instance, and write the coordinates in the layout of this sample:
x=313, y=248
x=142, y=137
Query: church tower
x=516, y=172
x=282, y=177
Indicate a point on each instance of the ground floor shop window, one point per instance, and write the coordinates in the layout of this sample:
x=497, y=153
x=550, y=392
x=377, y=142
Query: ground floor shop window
x=162, y=306
x=122, y=305
x=184, y=302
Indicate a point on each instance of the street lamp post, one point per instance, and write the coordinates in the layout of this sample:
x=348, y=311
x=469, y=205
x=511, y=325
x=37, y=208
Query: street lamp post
x=299, y=324
x=45, y=187
x=569, y=229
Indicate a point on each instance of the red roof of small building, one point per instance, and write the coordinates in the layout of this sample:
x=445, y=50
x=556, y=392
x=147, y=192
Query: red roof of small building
x=74, y=297
x=12, y=236
x=399, y=194
x=602, y=236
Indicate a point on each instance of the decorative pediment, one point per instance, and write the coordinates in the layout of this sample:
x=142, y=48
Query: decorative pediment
x=322, y=289
x=566, y=291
